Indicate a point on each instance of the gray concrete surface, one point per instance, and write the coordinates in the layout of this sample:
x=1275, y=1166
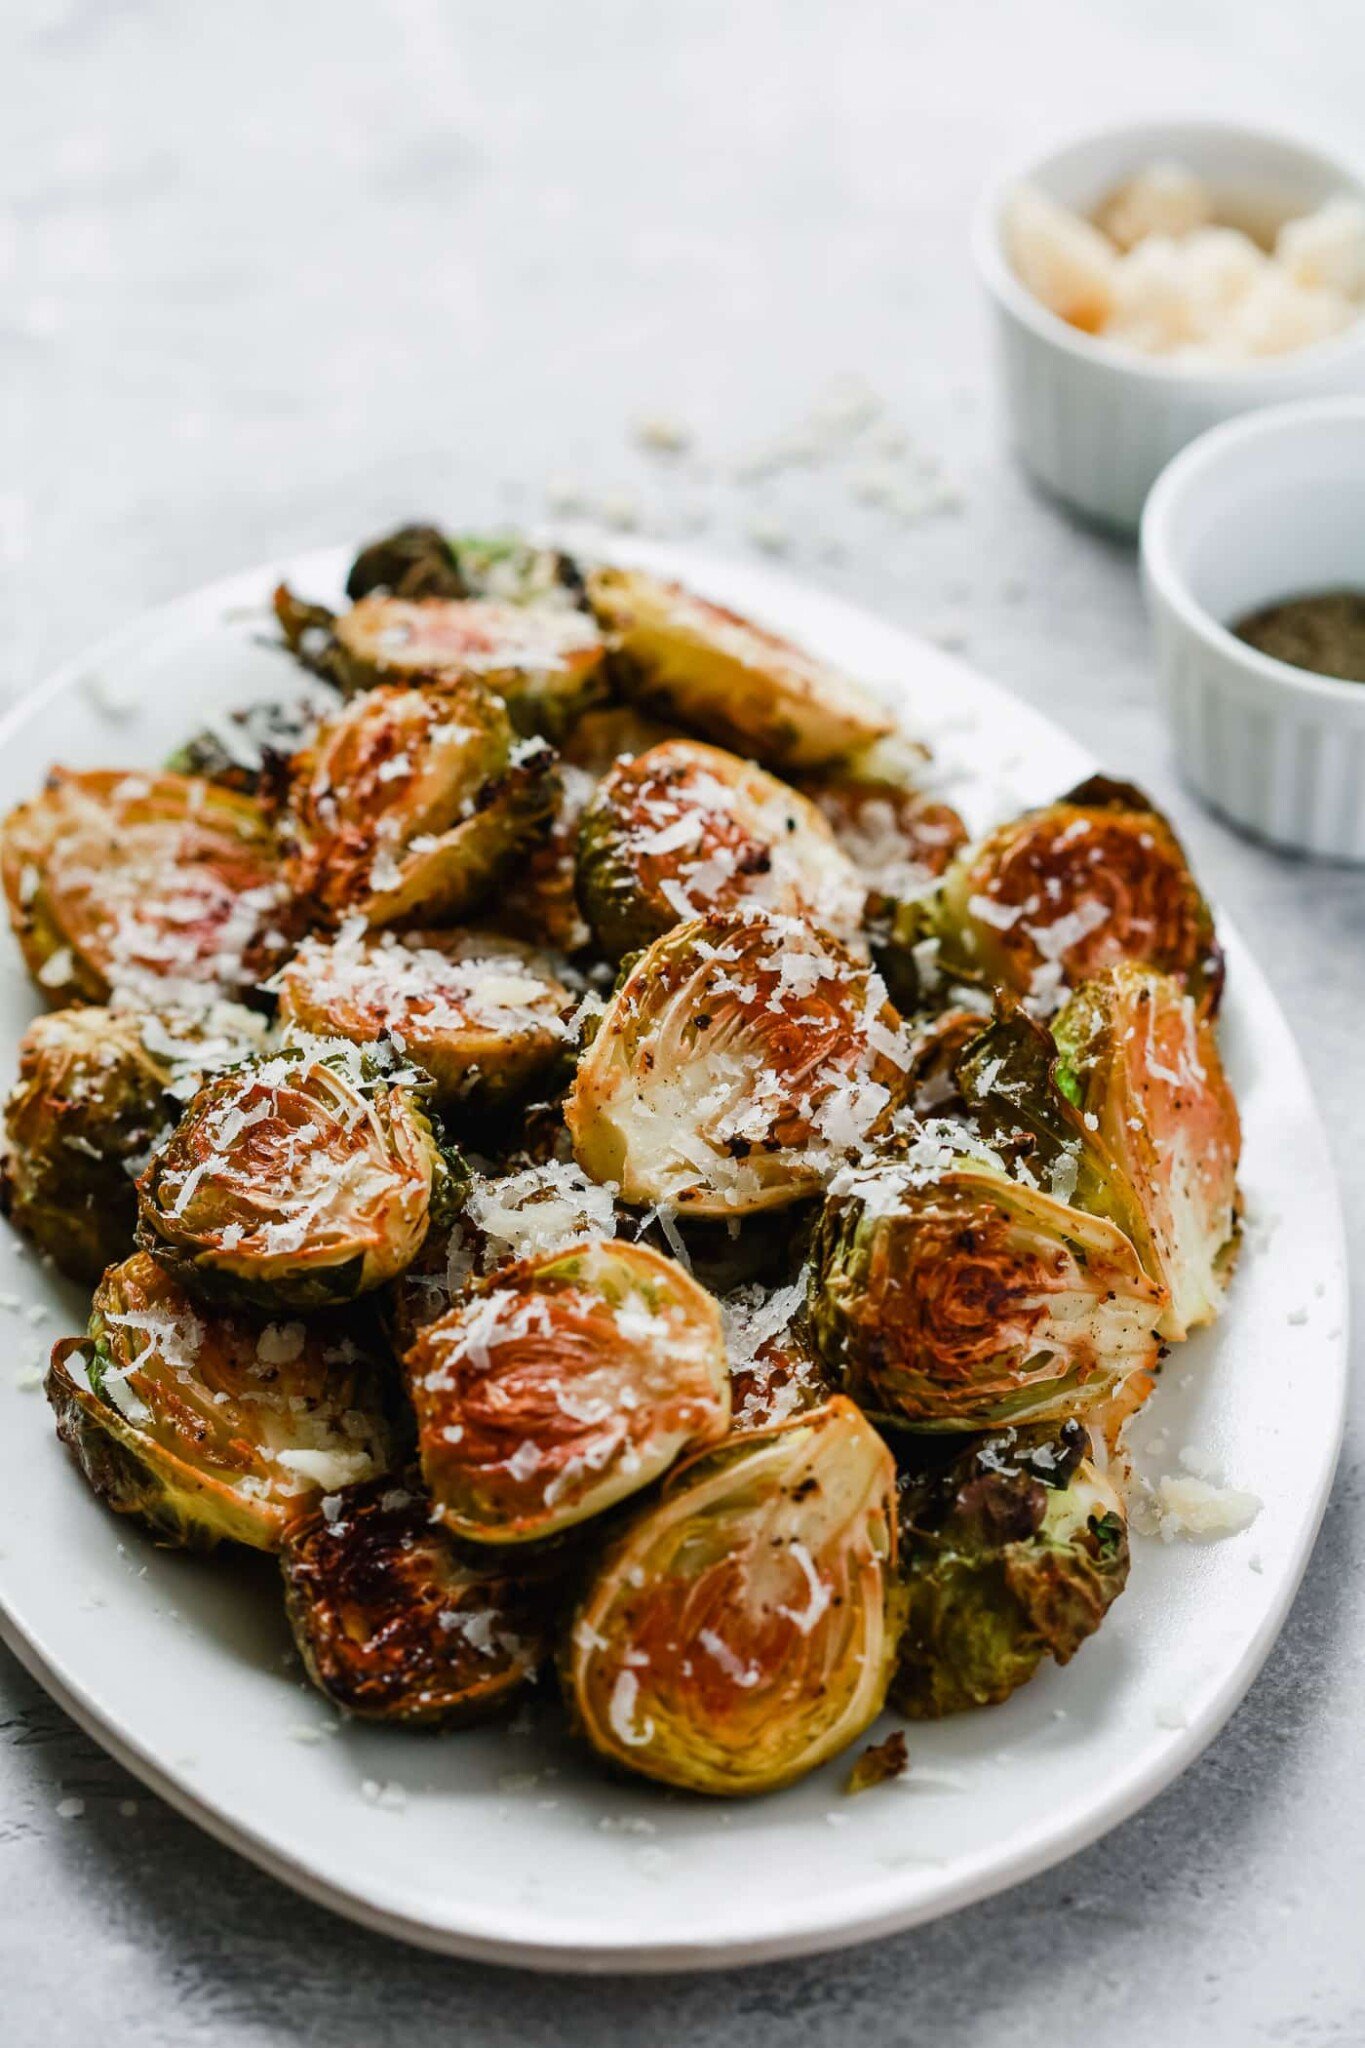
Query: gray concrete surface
x=272, y=274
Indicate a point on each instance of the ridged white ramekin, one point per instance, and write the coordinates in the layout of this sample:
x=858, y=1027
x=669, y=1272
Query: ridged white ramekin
x=1096, y=422
x=1262, y=508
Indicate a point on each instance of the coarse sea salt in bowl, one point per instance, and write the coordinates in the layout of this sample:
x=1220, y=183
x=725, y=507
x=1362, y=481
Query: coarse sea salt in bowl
x=1096, y=419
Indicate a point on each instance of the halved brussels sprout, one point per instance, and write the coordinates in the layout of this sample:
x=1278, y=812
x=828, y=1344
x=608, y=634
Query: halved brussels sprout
x=1144, y=1068
x=741, y=1061
x=298, y=1180
x=742, y=1629
x=411, y=802
x=898, y=836
x=685, y=830
x=396, y=1621
x=413, y=561
x=944, y=1295
x=96, y=1087
x=560, y=1385
x=1014, y=1552
x=774, y=1370
x=1009, y=1092
x=211, y=1423
x=150, y=889
x=612, y=733
x=546, y=662
x=516, y=571
x=539, y=901
x=421, y=561
x=1064, y=892
x=730, y=680
x=482, y=1015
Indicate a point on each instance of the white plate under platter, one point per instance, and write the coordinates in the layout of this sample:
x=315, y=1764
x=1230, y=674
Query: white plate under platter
x=506, y=1843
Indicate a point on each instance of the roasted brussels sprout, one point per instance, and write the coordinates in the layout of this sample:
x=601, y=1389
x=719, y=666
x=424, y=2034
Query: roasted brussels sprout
x=516, y=571
x=615, y=732
x=685, y=829
x=213, y=1423
x=898, y=836
x=539, y=900
x=421, y=561
x=559, y=1386
x=546, y=662
x=741, y=1061
x=1144, y=1068
x=774, y=1370
x=410, y=803
x=1064, y=892
x=482, y=1015
x=298, y=1180
x=413, y=561
x=96, y=1087
x=151, y=889
x=946, y=1296
x=1009, y=1091
x=1014, y=1552
x=741, y=1630
x=396, y=1621
x=731, y=681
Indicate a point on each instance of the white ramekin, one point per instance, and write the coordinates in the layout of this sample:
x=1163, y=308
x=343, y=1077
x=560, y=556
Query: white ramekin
x=1097, y=422
x=1263, y=508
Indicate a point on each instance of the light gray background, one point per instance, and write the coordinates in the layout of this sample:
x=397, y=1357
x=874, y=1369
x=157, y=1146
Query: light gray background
x=273, y=274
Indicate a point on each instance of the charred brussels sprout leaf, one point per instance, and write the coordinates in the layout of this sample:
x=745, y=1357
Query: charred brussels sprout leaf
x=95, y=1089
x=482, y=1015
x=685, y=830
x=879, y=1763
x=1015, y=1552
x=249, y=750
x=561, y=1385
x=299, y=1180
x=154, y=889
x=410, y=803
x=678, y=655
x=945, y=1295
x=1067, y=891
x=210, y=1424
x=396, y=1621
x=741, y=1061
x=740, y=1631
x=1145, y=1069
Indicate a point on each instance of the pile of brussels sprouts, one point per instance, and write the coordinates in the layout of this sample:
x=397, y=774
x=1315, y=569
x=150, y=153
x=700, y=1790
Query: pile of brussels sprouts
x=577, y=1153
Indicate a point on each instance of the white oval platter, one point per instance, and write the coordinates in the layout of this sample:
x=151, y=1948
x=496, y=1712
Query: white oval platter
x=504, y=1843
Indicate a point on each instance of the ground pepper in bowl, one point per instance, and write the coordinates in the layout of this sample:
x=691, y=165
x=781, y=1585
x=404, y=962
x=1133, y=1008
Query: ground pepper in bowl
x=1323, y=632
